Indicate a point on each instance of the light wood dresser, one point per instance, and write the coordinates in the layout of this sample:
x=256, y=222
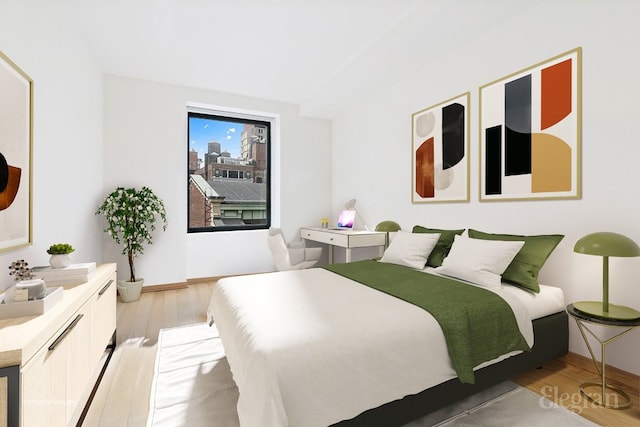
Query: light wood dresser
x=48, y=363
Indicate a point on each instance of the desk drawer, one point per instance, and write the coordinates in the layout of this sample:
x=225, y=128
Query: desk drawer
x=366, y=240
x=328, y=237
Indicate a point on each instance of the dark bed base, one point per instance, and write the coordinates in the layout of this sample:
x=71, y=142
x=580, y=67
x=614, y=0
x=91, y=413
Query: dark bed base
x=551, y=341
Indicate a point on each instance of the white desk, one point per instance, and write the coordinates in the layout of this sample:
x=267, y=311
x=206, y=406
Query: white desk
x=347, y=239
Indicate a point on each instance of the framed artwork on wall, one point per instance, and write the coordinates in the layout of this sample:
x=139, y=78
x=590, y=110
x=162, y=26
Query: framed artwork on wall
x=440, y=152
x=16, y=96
x=530, y=132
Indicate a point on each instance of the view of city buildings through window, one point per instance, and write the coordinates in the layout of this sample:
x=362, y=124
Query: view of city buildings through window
x=228, y=173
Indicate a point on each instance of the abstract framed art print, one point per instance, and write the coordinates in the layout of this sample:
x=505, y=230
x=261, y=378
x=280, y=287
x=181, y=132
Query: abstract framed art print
x=530, y=132
x=440, y=152
x=16, y=93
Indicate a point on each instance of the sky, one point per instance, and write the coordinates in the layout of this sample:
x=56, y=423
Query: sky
x=202, y=131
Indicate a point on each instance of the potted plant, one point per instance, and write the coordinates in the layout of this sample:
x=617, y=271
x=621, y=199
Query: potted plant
x=131, y=216
x=60, y=257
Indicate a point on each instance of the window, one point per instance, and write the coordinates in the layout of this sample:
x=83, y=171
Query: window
x=228, y=175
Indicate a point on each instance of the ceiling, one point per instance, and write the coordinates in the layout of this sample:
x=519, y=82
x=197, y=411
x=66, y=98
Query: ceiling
x=320, y=55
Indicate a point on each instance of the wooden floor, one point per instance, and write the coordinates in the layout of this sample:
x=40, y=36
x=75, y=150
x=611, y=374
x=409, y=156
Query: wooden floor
x=559, y=381
x=123, y=396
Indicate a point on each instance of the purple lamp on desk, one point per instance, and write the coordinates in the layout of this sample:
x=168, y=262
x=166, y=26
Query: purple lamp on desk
x=351, y=205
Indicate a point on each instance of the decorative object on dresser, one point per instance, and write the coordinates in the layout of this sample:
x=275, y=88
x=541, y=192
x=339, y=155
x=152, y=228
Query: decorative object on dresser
x=12, y=309
x=29, y=296
x=131, y=216
x=72, y=275
x=20, y=270
x=606, y=244
x=35, y=288
x=49, y=363
x=60, y=257
x=388, y=227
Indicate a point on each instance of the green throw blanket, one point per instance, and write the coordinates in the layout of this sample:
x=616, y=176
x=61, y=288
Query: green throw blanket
x=478, y=325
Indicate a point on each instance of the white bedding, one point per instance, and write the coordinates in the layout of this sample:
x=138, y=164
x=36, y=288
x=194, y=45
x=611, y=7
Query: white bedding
x=312, y=348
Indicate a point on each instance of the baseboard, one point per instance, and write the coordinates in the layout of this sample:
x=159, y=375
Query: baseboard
x=198, y=280
x=182, y=285
x=165, y=287
x=584, y=362
x=213, y=279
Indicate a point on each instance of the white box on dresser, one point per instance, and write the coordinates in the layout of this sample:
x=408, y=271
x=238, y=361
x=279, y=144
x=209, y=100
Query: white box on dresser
x=48, y=362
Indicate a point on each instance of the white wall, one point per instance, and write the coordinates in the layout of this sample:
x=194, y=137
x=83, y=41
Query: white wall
x=145, y=144
x=67, y=131
x=610, y=149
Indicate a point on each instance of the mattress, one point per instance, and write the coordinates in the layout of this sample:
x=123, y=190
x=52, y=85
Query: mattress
x=550, y=300
x=310, y=347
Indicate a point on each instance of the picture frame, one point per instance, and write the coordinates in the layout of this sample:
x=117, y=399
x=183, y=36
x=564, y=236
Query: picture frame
x=440, y=152
x=530, y=132
x=16, y=164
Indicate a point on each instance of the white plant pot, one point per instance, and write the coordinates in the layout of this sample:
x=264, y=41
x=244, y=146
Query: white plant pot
x=130, y=291
x=60, y=260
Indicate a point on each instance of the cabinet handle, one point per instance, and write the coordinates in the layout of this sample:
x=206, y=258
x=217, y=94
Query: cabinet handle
x=65, y=332
x=103, y=290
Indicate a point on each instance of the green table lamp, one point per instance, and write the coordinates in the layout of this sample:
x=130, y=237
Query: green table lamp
x=387, y=227
x=607, y=244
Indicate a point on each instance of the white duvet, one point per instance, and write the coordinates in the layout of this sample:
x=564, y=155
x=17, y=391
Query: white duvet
x=311, y=348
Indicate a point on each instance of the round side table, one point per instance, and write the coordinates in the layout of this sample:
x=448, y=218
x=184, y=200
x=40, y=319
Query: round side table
x=616, y=398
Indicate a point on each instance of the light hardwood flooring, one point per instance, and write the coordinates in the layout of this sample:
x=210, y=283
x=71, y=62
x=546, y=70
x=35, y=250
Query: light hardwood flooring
x=559, y=381
x=123, y=396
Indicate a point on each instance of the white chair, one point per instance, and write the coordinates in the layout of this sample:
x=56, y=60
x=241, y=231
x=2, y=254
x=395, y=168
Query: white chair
x=287, y=257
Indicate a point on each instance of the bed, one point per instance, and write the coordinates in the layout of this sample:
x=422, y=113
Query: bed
x=318, y=347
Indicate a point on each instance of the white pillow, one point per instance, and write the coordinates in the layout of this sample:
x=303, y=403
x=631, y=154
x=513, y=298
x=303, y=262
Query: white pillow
x=410, y=249
x=479, y=261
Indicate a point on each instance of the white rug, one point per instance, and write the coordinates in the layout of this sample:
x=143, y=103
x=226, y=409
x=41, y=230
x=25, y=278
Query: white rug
x=192, y=384
x=193, y=387
x=506, y=404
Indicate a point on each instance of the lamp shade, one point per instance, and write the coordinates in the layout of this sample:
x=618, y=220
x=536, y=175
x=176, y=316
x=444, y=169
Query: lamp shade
x=388, y=226
x=350, y=204
x=607, y=244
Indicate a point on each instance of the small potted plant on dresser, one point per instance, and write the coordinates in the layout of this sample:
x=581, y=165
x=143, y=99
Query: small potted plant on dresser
x=131, y=217
x=60, y=257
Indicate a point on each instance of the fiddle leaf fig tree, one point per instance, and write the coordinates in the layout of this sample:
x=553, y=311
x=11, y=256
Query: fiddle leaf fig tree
x=131, y=217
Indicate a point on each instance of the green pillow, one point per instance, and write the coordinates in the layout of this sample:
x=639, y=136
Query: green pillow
x=442, y=247
x=523, y=270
